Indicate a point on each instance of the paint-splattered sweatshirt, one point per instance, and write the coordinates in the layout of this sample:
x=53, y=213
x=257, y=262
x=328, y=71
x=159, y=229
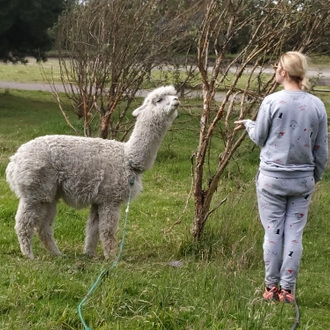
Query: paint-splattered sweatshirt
x=291, y=128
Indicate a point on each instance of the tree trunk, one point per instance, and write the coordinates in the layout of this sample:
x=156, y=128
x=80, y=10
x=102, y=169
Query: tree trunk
x=199, y=221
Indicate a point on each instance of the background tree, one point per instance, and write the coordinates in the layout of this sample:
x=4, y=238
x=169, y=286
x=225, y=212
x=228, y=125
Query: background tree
x=273, y=27
x=24, y=28
x=108, y=48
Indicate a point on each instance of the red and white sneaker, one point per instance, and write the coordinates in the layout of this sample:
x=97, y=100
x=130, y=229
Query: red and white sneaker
x=286, y=296
x=271, y=294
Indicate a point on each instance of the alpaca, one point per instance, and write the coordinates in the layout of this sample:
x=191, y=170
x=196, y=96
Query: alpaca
x=86, y=171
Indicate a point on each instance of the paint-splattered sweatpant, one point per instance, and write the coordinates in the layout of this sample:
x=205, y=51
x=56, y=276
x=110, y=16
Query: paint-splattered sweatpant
x=283, y=206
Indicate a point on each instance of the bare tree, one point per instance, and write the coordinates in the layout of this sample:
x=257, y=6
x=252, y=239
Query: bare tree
x=271, y=26
x=106, y=50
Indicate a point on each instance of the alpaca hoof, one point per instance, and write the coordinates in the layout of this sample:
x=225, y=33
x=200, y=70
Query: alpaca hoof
x=27, y=253
x=111, y=254
x=29, y=256
x=90, y=254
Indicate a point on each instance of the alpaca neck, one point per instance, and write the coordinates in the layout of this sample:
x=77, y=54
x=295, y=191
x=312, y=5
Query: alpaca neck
x=143, y=145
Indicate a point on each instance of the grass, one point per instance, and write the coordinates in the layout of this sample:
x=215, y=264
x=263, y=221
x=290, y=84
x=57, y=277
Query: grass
x=30, y=72
x=220, y=281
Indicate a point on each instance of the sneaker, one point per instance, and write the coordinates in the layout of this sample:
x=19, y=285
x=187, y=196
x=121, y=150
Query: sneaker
x=286, y=296
x=271, y=294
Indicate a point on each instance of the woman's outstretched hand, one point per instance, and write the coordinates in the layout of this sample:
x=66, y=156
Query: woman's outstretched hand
x=239, y=125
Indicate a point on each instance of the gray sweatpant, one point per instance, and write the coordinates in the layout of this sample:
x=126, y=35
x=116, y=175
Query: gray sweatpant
x=283, y=206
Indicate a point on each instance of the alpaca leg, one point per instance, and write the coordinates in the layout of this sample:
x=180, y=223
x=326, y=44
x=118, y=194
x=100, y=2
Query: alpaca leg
x=92, y=231
x=24, y=227
x=109, y=218
x=45, y=230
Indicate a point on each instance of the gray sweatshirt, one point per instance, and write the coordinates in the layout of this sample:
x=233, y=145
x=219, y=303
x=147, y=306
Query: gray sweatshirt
x=292, y=130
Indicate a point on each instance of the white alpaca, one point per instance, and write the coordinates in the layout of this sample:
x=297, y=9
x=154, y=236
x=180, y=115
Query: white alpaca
x=86, y=171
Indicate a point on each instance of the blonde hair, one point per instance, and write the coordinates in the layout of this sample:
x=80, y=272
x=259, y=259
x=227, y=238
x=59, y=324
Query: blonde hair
x=295, y=64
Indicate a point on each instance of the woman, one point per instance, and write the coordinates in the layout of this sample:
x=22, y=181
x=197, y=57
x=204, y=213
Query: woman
x=291, y=128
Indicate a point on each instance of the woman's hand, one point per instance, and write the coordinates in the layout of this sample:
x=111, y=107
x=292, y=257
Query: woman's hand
x=239, y=125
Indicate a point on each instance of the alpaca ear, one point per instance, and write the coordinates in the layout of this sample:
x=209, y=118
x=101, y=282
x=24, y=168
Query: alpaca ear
x=137, y=111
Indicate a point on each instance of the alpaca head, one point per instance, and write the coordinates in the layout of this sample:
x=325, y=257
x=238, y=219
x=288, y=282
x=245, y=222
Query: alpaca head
x=162, y=102
x=153, y=118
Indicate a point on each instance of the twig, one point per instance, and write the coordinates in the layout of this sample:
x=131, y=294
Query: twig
x=54, y=93
x=56, y=96
x=217, y=206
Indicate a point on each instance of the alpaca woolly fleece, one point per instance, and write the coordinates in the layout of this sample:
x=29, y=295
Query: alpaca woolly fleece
x=86, y=171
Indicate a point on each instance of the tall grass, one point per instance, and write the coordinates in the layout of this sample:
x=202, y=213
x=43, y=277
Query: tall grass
x=218, y=282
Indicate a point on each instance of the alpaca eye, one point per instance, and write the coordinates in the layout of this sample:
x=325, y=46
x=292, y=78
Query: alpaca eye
x=159, y=100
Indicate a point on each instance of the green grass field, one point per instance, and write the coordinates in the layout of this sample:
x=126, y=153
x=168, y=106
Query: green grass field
x=218, y=284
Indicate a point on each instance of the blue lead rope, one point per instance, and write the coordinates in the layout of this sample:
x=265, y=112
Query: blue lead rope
x=296, y=307
x=114, y=265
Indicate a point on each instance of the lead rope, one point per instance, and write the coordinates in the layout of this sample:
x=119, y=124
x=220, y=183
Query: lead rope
x=103, y=272
x=296, y=307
